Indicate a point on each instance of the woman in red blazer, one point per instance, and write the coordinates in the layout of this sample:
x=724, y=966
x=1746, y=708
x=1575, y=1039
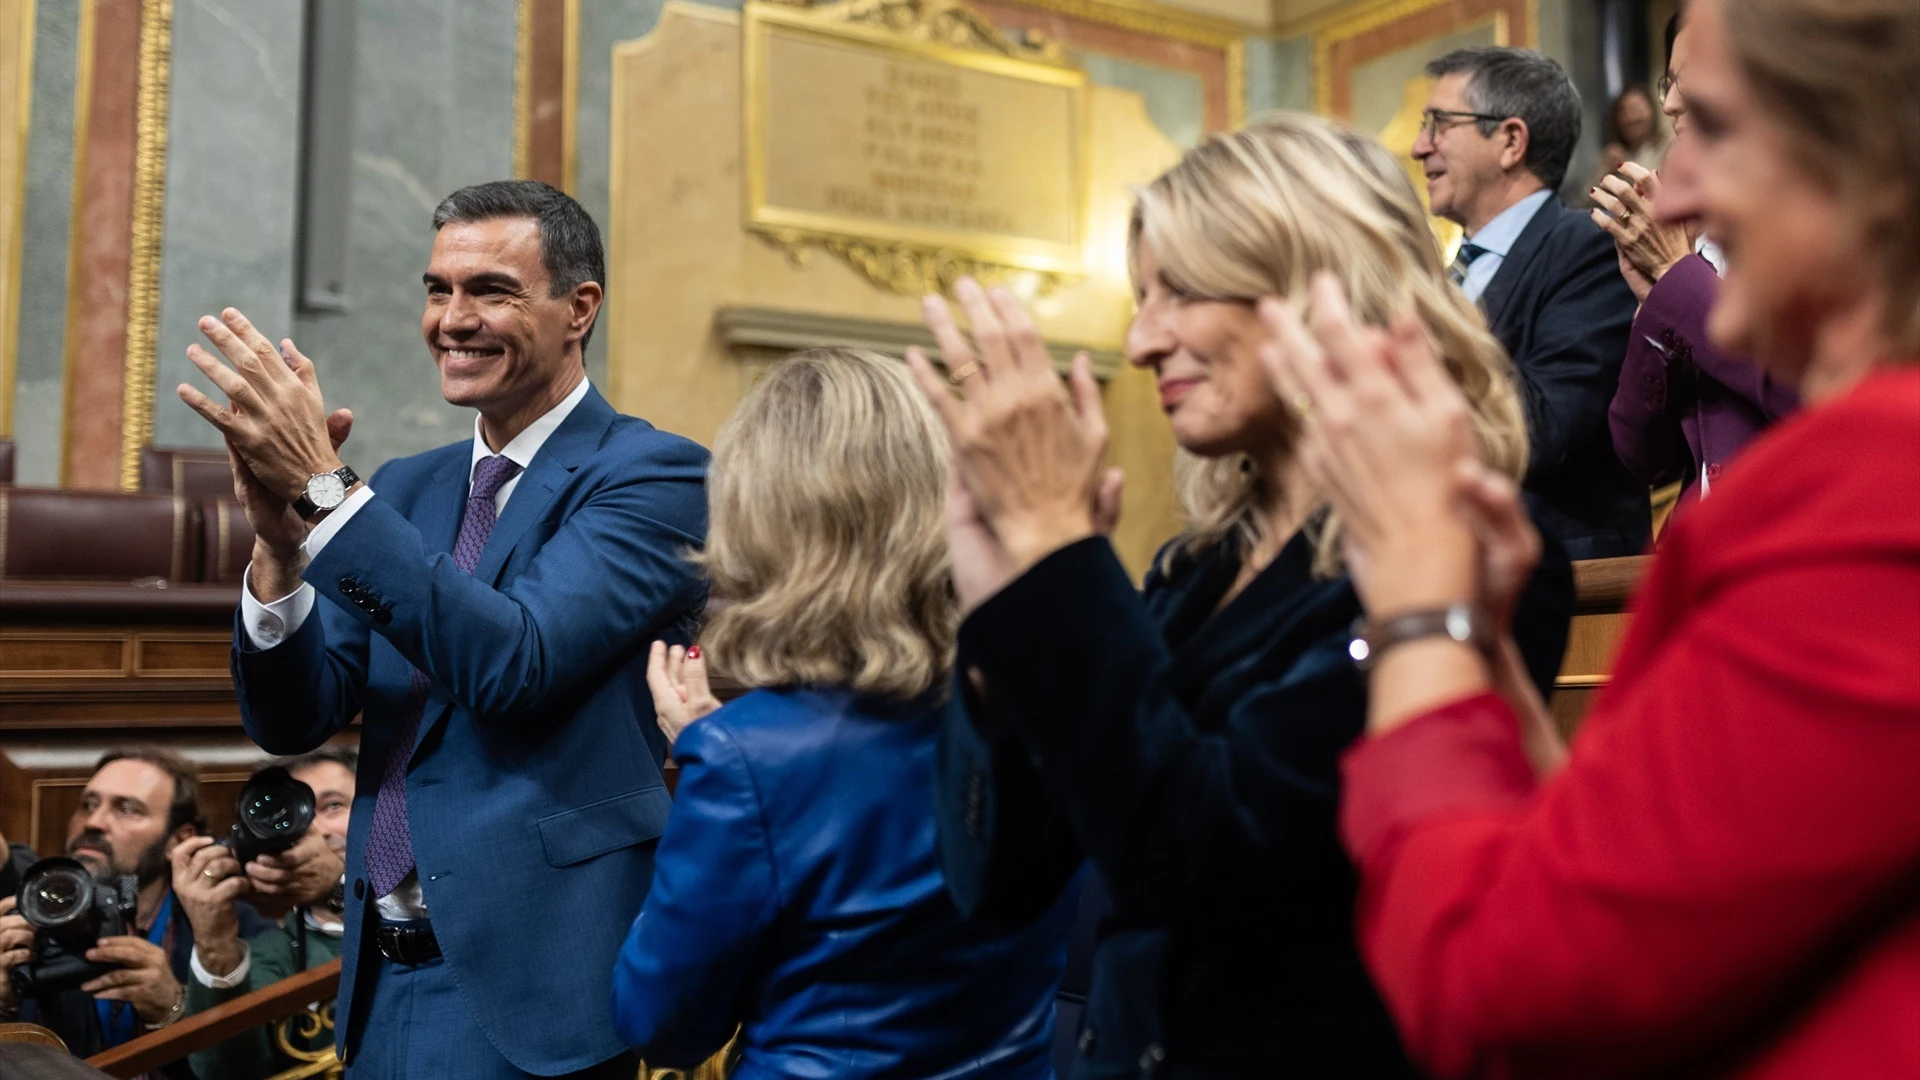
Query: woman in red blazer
x=1723, y=879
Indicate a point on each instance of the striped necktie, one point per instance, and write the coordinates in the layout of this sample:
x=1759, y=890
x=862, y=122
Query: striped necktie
x=1457, y=273
x=389, y=855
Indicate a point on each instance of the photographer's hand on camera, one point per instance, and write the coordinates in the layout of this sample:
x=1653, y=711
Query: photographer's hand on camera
x=143, y=979
x=208, y=883
x=16, y=948
x=301, y=876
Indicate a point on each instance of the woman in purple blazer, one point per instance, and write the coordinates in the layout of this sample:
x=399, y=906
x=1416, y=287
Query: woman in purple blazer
x=1683, y=408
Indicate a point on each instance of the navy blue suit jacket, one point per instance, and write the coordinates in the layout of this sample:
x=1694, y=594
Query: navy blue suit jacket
x=1192, y=755
x=534, y=792
x=1560, y=306
x=799, y=892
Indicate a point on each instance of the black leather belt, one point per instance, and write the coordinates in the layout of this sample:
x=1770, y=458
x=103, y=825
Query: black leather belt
x=407, y=942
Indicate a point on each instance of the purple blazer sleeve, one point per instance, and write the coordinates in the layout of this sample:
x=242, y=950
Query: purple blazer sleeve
x=1669, y=331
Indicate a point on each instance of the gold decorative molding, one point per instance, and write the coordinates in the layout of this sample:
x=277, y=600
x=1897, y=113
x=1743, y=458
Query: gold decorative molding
x=324, y=1062
x=522, y=85
x=1162, y=21
x=901, y=256
x=149, y=205
x=569, y=89
x=1344, y=24
x=938, y=22
x=570, y=99
x=16, y=88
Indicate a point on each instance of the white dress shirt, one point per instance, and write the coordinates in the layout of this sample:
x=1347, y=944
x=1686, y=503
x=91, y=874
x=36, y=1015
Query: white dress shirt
x=270, y=623
x=1497, y=238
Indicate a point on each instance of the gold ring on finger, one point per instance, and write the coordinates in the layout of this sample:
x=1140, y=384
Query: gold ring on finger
x=964, y=372
x=208, y=873
x=1623, y=215
x=1302, y=406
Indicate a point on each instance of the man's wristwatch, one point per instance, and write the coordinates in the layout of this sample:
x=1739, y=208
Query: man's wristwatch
x=325, y=491
x=1457, y=622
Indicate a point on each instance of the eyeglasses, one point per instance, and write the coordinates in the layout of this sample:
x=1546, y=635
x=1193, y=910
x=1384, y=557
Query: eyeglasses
x=1664, y=87
x=1434, y=121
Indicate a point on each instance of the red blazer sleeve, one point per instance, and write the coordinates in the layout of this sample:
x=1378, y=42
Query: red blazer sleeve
x=1741, y=800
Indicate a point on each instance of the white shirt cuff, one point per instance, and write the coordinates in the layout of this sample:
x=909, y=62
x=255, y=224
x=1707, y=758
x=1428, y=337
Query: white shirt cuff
x=331, y=524
x=236, y=977
x=269, y=624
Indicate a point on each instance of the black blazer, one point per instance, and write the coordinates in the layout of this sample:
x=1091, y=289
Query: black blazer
x=1193, y=757
x=1564, y=313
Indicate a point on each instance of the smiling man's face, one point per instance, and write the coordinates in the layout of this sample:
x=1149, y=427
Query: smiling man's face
x=1463, y=167
x=499, y=340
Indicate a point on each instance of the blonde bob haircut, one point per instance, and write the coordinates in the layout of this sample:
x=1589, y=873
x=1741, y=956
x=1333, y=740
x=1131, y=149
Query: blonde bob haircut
x=826, y=544
x=1258, y=212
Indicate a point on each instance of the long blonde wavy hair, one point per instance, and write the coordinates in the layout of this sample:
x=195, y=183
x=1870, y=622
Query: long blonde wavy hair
x=1258, y=212
x=826, y=543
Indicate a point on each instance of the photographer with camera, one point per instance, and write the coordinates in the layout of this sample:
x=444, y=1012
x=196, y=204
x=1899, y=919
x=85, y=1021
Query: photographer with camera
x=302, y=803
x=90, y=946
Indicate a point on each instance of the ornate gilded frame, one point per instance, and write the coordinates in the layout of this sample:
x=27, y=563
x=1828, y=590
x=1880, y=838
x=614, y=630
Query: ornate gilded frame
x=149, y=214
x=904, y=259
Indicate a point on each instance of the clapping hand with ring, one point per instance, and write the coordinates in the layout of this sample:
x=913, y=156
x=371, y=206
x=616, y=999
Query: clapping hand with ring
x=1026, y=450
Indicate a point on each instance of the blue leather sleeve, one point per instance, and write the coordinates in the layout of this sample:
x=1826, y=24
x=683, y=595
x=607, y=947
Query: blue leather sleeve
x=680, y=978
x=611, y=574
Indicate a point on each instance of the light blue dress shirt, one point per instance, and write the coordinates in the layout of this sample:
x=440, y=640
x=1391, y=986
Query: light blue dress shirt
x=1496, y=239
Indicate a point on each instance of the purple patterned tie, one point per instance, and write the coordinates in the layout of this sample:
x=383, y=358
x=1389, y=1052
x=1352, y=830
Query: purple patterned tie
x=389, y=847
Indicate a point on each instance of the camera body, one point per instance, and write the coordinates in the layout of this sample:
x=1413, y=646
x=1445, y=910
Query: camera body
x=273, y=813
x=69, y=909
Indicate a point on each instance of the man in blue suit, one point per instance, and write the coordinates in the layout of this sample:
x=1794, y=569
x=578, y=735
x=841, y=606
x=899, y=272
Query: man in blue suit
x=485, y=608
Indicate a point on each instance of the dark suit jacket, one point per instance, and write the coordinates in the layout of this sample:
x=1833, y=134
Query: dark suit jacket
x=1563, y=311
x=1684, y=406
x=1193, y=757
x=534, y=791
x=799, y=893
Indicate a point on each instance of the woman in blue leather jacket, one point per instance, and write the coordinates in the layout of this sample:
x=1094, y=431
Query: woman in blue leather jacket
x=797, y=891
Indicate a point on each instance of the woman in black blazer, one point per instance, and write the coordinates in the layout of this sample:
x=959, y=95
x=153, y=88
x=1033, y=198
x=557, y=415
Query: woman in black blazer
x=1185, y=739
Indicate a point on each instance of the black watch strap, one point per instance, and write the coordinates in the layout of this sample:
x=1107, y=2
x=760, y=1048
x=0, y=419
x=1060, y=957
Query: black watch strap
x=1457, y=622
x=305, y=507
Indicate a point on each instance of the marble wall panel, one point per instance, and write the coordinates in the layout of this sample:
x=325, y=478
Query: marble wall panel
x=43, y=247
x=1279, y=74
x=433, y=112
x=233, y=152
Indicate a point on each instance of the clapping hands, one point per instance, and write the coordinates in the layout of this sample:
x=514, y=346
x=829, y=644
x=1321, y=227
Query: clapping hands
x=1026, y=450
x=677, y=677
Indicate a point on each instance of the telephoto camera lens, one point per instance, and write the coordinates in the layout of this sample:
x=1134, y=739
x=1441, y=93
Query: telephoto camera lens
x=70, y=910
x=273, y=813
x=55, y=893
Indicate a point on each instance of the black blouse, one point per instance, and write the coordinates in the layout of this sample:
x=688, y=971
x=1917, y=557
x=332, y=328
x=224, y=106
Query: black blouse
x=1192, y=756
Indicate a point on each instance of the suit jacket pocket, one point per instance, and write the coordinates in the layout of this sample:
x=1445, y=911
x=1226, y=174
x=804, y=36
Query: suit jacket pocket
x=574, y=836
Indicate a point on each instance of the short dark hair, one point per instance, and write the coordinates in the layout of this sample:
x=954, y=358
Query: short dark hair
x=185, y=809
x=344, y=756
x=1523, y=84
x=569, y=241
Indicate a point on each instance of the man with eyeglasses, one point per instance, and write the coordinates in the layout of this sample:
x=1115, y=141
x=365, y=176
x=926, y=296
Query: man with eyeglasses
x=1500, y=128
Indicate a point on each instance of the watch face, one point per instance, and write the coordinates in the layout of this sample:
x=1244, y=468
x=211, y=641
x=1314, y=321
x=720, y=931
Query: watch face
x=326, y=491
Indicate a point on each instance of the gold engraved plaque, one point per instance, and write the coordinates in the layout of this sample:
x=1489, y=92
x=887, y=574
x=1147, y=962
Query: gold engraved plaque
x=913, y=140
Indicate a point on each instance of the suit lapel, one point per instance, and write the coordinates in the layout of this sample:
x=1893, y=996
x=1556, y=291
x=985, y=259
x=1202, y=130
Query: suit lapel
x=577, y=437
x=437, y=514
x=1513, y=268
